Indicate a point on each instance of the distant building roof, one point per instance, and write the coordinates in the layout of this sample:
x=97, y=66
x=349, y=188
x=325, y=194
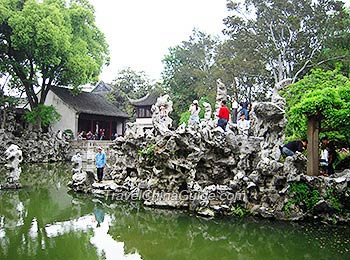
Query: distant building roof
x=148, y=100
x=89, y=103
x=101, y=87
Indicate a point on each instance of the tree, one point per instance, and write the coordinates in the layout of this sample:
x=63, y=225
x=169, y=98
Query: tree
x=319, y=102
x=190, y=72
x=243, y=70
x=135, y=84
x=336, y=49
x=131, y=84
x=50, y=43
x=281, y=39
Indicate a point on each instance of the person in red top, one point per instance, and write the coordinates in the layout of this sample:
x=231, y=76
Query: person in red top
x=224, y=115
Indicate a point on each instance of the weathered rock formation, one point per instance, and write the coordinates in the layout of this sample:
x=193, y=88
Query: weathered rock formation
x=212, y=172
x=221, y=94
x=14, y=158
x=36, y=146
x=81, y=180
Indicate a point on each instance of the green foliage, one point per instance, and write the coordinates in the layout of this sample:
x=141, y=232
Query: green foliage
x=239, y=211
x=201, y=101
x=69, y=133
x=333, y=198
x=184, y=117
x=75, y=91
x=342, y=156
x=302, y=193
x=42, y=115
x=135, y=84
x=8, y=102
x=131, y=84
x=148, y=153
x=323, y=95
x=267, y=41
x=190, y=72
x=278, y=39
x=55, y=39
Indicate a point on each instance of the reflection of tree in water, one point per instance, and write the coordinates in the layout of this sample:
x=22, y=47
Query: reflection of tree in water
x=46, y=174
x=42, y=200
x=168, y=234
x=155, y=234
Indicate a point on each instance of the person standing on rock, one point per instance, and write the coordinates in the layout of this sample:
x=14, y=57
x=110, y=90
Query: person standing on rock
x=100, y=162
x=234, y=110
x=224, y=115
x=245, y=108
x=243, y=125
x=194, y=110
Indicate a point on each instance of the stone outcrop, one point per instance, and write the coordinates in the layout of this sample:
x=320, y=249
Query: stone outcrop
x=36, y=146
x=82, y=180
x=14, y=158
x=212, y=172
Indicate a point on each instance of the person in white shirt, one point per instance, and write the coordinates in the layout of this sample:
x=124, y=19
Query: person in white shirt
x=324, y=161
x=194, y=109
x=234, y=105
x=243, y=125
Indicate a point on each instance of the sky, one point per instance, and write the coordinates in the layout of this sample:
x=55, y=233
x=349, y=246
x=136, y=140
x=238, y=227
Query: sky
x=140, y=32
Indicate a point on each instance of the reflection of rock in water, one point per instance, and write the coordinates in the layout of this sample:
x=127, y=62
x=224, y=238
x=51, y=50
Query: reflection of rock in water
x=212, y=172
x=14, y=157
x=13, y=208
x=161, y=229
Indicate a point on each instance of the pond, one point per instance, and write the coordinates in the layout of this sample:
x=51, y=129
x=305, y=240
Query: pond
x=44, y=220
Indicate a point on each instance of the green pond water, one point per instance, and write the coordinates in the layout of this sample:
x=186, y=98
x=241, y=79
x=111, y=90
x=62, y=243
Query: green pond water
x=45, y=221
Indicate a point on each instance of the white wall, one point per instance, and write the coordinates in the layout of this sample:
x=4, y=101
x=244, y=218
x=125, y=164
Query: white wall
x=144, y=122
x=119, y=128
x=69, y=119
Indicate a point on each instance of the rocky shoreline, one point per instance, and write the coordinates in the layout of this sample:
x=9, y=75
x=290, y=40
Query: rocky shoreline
x=213, y=173
x=37, y=147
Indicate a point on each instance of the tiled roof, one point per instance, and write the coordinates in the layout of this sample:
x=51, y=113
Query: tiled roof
x=102, y=87
x=148, y=100
x=89, y=103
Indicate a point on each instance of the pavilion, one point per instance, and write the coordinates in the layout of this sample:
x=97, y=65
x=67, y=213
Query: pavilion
x=86, y=112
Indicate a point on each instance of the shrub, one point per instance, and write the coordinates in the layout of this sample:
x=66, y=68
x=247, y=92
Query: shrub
x=69, y=133
x=302, y=193
x=42, y=116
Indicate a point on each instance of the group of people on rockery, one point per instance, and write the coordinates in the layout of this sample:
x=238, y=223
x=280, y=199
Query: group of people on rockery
x=224, y=115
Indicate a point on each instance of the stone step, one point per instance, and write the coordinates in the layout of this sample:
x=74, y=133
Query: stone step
x=88, y=148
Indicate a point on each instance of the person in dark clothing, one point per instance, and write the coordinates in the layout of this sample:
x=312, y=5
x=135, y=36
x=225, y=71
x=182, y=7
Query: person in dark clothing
x=245, y=108
x=292, y=147
x=332, y=153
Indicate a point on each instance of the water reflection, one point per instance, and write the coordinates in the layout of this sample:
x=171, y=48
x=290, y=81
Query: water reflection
x=107, y=247
x=43, y=221
x=99, y=215
x=105, y=243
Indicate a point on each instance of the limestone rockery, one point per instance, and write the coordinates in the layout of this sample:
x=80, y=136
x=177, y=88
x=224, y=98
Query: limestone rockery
x=37, y=147
x=212, y=172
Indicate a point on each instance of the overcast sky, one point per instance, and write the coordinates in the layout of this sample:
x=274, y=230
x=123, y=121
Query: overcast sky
x=139, y=32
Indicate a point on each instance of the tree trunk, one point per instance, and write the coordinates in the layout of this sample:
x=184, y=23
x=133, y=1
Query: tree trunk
x=312, y=147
